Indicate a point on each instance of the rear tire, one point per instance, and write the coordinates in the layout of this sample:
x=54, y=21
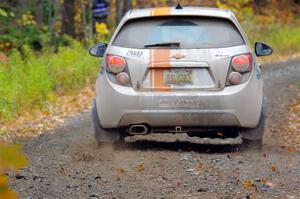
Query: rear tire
x=253, y=137
x=102, y=135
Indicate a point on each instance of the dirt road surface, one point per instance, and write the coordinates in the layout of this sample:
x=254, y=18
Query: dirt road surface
x=67, y=163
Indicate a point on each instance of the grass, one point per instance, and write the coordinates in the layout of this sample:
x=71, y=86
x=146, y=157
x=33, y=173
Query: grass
x=284, y=39
x=37, y=79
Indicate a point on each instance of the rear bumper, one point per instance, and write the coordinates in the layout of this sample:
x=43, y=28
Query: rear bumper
x=233, y=106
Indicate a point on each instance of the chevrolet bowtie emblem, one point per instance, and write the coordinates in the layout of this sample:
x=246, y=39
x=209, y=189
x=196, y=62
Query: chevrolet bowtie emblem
x=178, y=56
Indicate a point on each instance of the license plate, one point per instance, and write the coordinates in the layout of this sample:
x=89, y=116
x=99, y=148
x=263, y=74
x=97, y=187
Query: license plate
x=178, y=76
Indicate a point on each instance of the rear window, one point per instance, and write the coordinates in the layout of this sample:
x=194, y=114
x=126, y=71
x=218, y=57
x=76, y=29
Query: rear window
x=190, y=32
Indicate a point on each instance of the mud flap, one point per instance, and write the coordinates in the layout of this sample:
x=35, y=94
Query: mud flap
x=103, y=135
x=256, y=134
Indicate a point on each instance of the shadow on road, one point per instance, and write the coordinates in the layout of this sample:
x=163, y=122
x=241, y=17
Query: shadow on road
x=177, y=146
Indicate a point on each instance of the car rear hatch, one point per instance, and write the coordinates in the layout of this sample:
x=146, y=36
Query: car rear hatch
x=178, y=53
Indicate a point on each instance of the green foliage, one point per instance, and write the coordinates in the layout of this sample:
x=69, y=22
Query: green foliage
x=241, y=8
x=284, y=39
x=29, y=80
x=23, y=83
x=3, y=13
x=15, y=33
x=73, y=68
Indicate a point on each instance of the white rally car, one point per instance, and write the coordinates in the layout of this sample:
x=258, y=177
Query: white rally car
x=179, y=70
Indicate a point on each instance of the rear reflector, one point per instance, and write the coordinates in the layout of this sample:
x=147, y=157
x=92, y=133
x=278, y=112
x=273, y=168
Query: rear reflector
x=122, y=78
x=242, y=63
x=115, y=64
x=235, y=78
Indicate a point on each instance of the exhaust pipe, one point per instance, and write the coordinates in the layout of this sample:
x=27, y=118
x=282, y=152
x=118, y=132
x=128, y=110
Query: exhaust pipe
x=138, y=129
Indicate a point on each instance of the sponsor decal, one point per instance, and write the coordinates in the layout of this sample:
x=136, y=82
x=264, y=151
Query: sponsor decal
x=182, y=103
x=258, y=75
x=134, y=54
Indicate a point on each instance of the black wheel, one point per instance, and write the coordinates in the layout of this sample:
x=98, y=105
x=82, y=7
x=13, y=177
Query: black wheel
x=253, y=137
x=102, y=135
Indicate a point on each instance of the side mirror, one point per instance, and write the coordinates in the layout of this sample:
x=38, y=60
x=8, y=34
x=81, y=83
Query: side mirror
x=98, y=50
x=262, y=49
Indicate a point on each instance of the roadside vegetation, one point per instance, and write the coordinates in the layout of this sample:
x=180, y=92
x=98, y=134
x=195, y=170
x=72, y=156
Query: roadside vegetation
x=284, y=38
x=29, y=80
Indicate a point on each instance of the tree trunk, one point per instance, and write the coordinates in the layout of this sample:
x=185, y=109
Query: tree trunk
x=119, y=11
x=21, y=5
x=50, y=22
x=259, y=2
x=91, y=20
x=39, y=12
x=68, y=17
x=122, y=6
x=127, y=6
x=171, y=3
x=83, y=19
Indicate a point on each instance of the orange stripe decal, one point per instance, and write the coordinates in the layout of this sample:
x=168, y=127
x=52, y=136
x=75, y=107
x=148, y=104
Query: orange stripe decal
x=162, y=56
x=159, y=59
x=159, y=62
x=161, y=11
x=151, y=71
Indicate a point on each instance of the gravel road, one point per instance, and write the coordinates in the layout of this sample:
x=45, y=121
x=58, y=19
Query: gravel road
x=67, y=163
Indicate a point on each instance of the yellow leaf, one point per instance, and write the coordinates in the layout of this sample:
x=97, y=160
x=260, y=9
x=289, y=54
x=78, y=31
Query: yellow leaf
x=140, y=167
x=120, y=171
x=264, y=180
x=11, y=157
x=5, y=191
x=248, y=184
x=273, y=168
x=291, y=149
x=199, y=165
x=3, y=180
x=101, y=28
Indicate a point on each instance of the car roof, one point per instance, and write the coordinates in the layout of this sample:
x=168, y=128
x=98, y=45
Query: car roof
x=185, y=11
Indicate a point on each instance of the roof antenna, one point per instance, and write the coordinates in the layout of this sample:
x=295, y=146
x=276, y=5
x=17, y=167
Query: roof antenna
x=178, y=6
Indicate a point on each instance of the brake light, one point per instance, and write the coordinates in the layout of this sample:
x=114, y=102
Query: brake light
x=242, y=63
x=116, y=67
x=240, y=69
x=115, y=64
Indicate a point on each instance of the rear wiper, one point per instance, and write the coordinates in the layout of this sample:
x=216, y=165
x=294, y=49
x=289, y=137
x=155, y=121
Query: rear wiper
x=165, y=44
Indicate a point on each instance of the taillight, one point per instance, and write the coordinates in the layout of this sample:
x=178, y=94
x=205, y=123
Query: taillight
x=116, y=67
x=240, y=69
x=242, y=63
x=122, y=78
x=235, y=78
x=115, y=64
